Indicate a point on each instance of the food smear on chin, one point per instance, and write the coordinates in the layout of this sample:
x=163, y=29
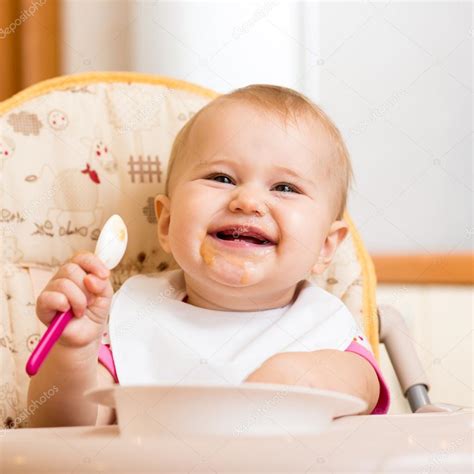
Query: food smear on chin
x=240, y=267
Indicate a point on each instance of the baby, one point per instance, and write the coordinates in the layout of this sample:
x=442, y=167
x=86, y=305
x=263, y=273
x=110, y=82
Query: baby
x=253, y=206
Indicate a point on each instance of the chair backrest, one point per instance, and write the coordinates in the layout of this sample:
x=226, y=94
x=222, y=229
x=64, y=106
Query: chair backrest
x=75, y=150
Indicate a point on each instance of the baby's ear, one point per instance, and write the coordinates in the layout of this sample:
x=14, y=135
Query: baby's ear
x=162, y=212
x=337, y=233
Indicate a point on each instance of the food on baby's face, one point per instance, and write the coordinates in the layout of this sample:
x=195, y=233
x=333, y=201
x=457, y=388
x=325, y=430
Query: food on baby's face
x=237, y=265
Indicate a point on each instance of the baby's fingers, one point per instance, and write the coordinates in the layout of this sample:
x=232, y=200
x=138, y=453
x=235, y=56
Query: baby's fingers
x=91, y=263
x=48, y=303
x=76, y=297
x=98, y=286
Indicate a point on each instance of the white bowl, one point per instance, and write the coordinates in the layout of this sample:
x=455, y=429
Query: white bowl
x=246, y=409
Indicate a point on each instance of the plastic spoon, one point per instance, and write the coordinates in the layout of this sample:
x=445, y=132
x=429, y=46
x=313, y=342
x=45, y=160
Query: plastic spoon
x=110, y=248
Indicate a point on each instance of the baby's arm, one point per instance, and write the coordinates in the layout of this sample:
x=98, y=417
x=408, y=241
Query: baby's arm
x=328, y=369
x=105, y=415
x=65, y=374
x=55, y=393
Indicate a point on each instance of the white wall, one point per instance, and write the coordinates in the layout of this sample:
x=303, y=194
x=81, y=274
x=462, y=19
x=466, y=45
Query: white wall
x=220, y=45
x=397, y=78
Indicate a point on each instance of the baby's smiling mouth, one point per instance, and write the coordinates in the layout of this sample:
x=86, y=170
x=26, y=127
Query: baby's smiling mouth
x=243, y=236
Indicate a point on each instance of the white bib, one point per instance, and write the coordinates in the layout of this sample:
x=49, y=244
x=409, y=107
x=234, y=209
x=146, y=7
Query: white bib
x=156, y=338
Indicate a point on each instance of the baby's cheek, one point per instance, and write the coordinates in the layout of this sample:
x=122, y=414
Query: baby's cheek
x=301, y=238
x=298, y=229
x=185, y=235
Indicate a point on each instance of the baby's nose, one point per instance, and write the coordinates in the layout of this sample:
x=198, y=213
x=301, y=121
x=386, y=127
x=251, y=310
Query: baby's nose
x=250, y=200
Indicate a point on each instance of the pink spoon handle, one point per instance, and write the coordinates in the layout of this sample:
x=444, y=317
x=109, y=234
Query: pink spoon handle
x=47, y=341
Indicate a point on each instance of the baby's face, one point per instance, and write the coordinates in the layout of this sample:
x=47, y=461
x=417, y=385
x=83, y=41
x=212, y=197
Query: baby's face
x=251, y=207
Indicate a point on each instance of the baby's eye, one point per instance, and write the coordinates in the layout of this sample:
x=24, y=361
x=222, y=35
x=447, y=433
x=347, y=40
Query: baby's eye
x=220, y=175
x=287, y=186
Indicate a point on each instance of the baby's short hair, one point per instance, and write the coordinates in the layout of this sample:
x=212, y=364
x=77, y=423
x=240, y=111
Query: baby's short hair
x=287, y=104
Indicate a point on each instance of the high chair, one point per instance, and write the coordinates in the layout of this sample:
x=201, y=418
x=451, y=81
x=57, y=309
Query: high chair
x=75, y=150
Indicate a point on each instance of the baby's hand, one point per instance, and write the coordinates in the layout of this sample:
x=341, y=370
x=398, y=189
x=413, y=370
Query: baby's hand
x=82, y=284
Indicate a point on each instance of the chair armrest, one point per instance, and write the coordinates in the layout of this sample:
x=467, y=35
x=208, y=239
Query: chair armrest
x=394, y=333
